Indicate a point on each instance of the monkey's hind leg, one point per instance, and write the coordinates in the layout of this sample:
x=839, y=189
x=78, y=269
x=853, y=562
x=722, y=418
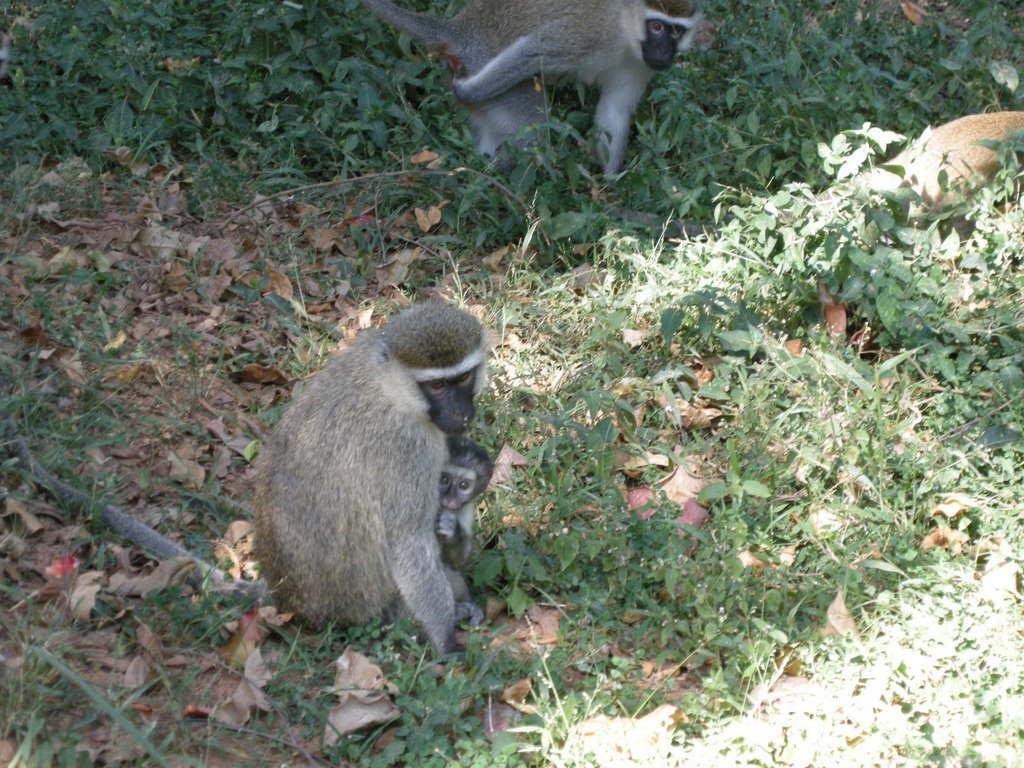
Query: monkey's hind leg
x=425, y=590
x=465, y=608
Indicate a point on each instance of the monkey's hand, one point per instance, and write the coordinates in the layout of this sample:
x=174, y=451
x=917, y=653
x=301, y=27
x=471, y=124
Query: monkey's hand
x=447, y=525
x=469, y=611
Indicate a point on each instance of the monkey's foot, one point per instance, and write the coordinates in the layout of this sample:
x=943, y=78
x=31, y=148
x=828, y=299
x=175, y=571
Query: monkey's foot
x=469, y=611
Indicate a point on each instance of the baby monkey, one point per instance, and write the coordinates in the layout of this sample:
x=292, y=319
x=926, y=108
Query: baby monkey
x=464, y=477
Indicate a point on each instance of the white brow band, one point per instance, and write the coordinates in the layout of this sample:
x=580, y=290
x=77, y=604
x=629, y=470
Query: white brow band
x=468, y=363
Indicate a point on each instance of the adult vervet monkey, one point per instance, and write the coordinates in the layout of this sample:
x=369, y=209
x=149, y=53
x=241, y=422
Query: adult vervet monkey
x=346, y=498
x=948, y=163
x=497, y=47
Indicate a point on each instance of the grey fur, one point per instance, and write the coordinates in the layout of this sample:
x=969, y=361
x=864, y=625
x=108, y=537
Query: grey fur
x=346, y=489
x=497, y=48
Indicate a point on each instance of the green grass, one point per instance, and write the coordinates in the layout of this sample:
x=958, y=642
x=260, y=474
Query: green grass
x=825, y=461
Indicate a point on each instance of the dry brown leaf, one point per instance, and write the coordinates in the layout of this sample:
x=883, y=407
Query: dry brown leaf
x=260, y=374
x=185, y=471
x=217, y=249
x=149, y=642
x=839, y=620
x=824, y=520
x=584, y=276
x=648, y=459
x=126, y=374
x=35, y=336
x=325, y=238
x=257, y=671
x=270, y=617
x=397, y=269
x=429, y=218
x=173, y=571
x=750, y=561
x=279, y=284
x=248, y=695
x=18, y=508
x=517, y=693
x=633, y=337
x=82, y=599
x=795, y=347
x=914, y=12
x=175, y=278
x=954, y=504
x=945, y=538
x=244, y=641
x=363, y=699
x=833, y=309
x=137, y=673
x=788, y=556
x=696, y=415
x=424, y=156
x=237, y=443
x=238, y=530
x=116, y=343
x=682, y=485
x=158, y=242
x=504, y=465
x=63, y=262
x=543, y=624
x=493, y=260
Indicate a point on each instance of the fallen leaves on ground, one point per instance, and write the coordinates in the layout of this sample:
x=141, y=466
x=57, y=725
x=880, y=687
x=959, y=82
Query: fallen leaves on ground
x=944, y=537
x=247, y=697
x=364, y=697
x=839, y=620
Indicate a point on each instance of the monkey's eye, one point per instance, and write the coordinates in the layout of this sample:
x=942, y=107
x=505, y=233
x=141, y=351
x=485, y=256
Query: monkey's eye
x=445, y=482
x=463, y=378
x=437, y=385
x=464, y=485
x=656, y=28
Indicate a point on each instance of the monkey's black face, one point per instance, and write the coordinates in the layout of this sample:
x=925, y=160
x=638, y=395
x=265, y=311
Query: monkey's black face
x=661, y=43
x=457, y=489
x=451, y=401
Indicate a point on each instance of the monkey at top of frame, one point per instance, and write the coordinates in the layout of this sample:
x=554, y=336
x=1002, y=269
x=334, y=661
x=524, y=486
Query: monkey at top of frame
x=497, y=48
x=346, y=498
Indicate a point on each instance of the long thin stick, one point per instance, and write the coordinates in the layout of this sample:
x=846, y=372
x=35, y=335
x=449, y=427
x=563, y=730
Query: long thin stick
x=371, y=177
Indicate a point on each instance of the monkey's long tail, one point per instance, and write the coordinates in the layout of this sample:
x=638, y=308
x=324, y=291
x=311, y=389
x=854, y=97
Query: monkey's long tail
x=432, y=32
x=121, y=523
